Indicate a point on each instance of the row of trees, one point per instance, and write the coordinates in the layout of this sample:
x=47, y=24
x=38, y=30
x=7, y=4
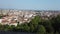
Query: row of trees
x=36, y=25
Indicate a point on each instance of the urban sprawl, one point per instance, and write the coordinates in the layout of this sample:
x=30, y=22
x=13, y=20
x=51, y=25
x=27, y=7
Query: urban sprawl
x=13, y=17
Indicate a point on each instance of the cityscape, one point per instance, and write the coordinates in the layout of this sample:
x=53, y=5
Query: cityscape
x=12, y=17
x=29, y=16
x=20, y=18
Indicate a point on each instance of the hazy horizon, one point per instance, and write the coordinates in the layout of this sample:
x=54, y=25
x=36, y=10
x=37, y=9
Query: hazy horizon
x=30, y=4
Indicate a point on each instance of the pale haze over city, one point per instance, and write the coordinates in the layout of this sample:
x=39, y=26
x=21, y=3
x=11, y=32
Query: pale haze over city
x=29, y=16
x=30, y=4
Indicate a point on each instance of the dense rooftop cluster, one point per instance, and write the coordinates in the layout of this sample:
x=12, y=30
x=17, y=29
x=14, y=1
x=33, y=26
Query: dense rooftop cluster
x=13, y=17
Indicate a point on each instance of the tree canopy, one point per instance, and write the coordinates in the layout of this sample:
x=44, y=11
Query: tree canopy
x=36, y=25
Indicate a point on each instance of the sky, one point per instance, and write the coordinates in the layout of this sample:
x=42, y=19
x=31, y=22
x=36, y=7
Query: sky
x=30, y=4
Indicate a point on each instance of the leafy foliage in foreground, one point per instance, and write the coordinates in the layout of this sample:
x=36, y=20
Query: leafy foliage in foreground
x=37, y=25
